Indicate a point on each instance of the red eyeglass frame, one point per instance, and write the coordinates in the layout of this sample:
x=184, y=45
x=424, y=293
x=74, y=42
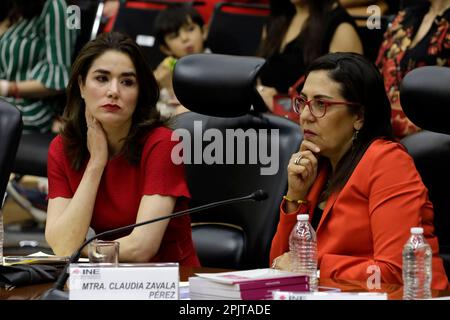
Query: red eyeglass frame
x=327, y=103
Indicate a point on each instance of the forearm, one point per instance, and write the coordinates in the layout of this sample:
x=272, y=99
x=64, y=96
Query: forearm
x=280, y=242
x=33, y=89
x=355, y=3
x=131, y=249
x=359, y=268
x=163, y=73
x=143, y=243
x=68, y=229
x=292, y=206
x=25, y=89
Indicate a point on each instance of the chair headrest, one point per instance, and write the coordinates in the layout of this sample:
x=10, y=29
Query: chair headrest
x=218, y=85
x=425, y=98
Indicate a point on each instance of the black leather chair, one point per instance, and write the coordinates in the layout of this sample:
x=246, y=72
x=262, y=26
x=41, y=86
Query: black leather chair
x=91, y=15
x=31, y=159
x=236, y=28
x=17, y=240
x=10, y=130
x=425, y=99
x=220, y=89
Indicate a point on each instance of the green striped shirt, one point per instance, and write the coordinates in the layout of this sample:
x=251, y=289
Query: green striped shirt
x=38, y=49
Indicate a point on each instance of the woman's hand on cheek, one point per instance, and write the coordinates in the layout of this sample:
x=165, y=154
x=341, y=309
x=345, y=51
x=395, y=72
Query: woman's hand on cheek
x=97, y=143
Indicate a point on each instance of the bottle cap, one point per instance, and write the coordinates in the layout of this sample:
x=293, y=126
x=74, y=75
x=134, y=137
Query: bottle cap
x=302, y=217
x=416, y=230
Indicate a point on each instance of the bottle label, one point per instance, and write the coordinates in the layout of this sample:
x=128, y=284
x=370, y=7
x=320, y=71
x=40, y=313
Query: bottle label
x=304, y=232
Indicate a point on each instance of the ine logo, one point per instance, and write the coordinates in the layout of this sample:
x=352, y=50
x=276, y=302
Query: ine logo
x=73, y=19
x=76, y=271
x=91, y=271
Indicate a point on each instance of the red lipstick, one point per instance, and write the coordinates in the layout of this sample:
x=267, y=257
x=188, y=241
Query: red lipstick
x=111, y=107
x=308, y=134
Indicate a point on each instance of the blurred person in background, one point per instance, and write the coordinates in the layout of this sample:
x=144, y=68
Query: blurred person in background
x=359, y=7
x=180, y=31
x=35, y=57
x=36, y=47
x=419, y=36
x=297, y=32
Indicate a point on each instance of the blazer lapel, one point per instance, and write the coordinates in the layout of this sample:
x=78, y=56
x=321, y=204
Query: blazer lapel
x=330, y=203
x=317, y=188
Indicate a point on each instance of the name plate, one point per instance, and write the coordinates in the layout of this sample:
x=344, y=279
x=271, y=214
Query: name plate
x=289, y=295
x=145, y=281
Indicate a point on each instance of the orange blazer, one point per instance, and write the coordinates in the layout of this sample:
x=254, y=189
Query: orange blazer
x=369, y=220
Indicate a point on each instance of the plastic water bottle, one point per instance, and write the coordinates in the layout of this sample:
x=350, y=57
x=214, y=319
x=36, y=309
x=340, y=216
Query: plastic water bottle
x=303, y=250
x=417, y=268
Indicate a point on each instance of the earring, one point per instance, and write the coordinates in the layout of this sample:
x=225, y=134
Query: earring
x=354, y=138
x=355, y=135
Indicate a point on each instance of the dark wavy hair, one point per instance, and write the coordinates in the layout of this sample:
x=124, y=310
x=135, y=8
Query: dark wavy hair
x=282, y=12
x=16, y=9
x=173, y=18
x=145, y=116
x=360, y=82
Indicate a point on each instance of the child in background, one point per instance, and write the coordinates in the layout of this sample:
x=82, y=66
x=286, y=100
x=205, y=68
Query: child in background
x=179, y=31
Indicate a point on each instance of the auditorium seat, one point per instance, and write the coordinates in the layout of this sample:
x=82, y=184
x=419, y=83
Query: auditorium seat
x=236, y=28
x=220, y=92
x=136, y=19
x=425, y=99
x=91, y=14
x=10, y=130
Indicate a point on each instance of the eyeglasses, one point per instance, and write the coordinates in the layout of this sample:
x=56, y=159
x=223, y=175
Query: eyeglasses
x=317, y=107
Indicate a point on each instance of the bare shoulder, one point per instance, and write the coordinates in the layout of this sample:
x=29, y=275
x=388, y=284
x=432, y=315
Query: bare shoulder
x=346, y=39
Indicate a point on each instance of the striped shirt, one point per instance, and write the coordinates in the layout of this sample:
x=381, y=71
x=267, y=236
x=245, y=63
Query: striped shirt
x=38, y=49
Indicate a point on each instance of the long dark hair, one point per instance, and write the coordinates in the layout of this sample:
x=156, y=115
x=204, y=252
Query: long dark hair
x=360, y=82
x=17, y=9
x=144, y=117
x=282, y=12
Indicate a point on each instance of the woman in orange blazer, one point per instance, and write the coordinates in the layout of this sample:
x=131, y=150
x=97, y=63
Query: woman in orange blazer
x=360, y=188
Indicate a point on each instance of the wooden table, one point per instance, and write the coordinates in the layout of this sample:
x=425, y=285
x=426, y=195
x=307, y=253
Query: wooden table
x=395, y=292
x=34, y=292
